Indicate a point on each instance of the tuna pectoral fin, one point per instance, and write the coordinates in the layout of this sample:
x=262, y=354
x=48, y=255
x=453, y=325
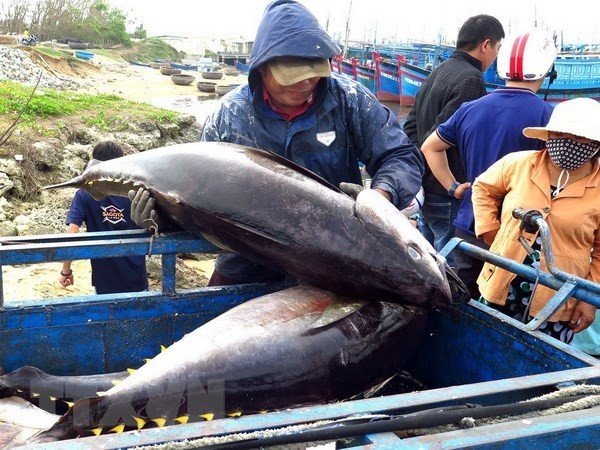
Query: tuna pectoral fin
x=458, y=291
x=335, y=312
x=351, y=189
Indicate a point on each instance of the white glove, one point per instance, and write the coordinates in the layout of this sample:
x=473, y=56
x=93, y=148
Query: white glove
x=415, y=205
x=142, y=210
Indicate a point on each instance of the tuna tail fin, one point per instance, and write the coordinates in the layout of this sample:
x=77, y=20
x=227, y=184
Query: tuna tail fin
x=76, y=182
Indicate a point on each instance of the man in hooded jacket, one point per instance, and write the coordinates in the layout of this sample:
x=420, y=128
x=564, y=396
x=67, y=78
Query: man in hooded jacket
x=293, y=106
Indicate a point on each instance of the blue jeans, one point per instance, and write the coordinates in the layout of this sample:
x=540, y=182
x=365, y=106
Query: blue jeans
x=437, y=225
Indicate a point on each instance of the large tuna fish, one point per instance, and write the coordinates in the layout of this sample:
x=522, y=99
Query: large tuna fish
x=301, y=345
x=264, y=207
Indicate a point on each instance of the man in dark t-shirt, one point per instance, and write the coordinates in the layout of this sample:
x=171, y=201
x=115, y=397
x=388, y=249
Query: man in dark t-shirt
x=109, y=275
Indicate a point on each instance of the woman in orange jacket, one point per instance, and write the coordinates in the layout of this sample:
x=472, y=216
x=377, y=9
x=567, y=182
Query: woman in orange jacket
x=561, y=182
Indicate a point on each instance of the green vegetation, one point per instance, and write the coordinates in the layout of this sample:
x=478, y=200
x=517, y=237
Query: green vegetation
x=106, y=112
x=152, y=49
x=93, y=21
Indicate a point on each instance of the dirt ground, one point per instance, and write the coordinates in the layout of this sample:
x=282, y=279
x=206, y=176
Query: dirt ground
x=136, y=83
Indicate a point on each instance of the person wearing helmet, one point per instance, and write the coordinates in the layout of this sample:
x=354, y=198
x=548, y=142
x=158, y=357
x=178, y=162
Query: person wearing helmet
x=486, y=129
x=562, y=183
x=294, y=106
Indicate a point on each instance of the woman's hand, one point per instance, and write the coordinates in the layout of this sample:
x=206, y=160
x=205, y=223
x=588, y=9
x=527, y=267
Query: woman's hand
x=583, y=316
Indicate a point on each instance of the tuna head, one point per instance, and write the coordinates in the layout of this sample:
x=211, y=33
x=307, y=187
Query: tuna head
x=410, y=252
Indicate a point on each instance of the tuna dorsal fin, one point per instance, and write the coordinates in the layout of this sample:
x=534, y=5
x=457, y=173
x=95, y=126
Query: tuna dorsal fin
x=298, y=168
x=335, y=312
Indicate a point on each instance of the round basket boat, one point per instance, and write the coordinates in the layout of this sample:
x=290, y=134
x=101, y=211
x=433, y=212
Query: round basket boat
x=156, y=65
x=212, y=75
x=224, y=89
x=182, y=79
x=206, y=86
x=84, y=55
x=166, y=70
x=78, y=45
x=231, y=72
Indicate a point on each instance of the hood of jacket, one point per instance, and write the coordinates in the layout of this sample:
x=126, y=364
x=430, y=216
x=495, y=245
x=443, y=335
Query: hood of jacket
x=288, y=28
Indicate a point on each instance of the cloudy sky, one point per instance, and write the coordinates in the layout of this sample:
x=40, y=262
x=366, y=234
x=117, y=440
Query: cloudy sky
x=403, y=20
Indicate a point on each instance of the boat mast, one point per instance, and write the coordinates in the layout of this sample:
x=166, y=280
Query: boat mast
x=345, y=53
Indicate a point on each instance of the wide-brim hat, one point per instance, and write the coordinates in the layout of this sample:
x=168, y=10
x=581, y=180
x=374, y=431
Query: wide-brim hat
x=288, y=71
x=579, y=116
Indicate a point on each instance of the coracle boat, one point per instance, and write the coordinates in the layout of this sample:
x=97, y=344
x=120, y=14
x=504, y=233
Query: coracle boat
x=78, y=45
x=212, y=75
x=182, y=79
x=206, y=86
x=84, y=55
x=224, y=89
x=166, y=70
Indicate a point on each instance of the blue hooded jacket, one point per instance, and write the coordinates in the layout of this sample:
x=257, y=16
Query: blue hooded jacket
x=344, y=125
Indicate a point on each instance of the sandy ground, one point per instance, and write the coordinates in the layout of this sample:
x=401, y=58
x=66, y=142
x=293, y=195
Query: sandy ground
x=136, y=83
x=144, y=84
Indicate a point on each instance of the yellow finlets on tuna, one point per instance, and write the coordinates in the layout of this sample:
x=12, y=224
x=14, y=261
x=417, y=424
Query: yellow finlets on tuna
x=117, y=429
x=131, y=371
x=96, y=431
x=161, y=421
x=182, y=419
x=235, y=414
x=207, y=416
x=140, y=422
x=115, y=382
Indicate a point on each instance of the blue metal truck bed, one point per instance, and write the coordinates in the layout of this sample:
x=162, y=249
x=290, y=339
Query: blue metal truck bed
x=471, y=355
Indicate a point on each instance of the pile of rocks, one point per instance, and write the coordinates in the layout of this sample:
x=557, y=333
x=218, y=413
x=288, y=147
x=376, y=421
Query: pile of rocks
x=16, y=65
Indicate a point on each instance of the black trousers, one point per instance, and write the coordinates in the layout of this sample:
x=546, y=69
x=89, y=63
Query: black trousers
x=467, y=267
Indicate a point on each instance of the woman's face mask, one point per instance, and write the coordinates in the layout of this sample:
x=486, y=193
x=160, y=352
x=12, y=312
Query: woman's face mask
x=570, y=154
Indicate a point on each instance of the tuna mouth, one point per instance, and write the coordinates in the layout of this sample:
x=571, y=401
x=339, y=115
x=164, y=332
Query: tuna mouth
x=459, y=294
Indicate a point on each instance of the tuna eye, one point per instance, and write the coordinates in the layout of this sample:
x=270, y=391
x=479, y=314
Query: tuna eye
x=413, y=252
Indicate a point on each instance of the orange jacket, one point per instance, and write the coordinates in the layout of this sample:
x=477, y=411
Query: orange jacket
x=521, y=180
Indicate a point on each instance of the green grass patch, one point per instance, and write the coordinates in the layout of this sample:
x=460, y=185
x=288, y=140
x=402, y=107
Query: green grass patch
x=105, y=111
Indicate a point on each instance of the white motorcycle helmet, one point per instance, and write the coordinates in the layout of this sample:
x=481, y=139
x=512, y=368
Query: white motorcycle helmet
x=526, y=56
x=415, y=205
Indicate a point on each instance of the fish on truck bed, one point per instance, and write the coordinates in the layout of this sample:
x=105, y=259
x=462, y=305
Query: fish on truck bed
x=298, y=346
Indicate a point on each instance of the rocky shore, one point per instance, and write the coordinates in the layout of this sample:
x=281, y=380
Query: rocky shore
x=66, y=155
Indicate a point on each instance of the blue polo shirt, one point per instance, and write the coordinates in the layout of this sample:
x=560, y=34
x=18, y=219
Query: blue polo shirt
x=486, y=129
x=110, y=275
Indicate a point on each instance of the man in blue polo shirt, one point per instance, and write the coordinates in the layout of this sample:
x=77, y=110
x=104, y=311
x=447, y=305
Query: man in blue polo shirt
x=486, y=129
x=109, y=275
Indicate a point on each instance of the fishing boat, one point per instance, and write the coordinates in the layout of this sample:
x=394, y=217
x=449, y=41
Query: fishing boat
x=139, y=63
x=242, y=67
x=84, y=55
x=398, y=79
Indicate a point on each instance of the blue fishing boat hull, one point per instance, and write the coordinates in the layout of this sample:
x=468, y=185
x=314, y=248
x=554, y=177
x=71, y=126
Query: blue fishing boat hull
x=84, y=55
x=398, y=80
